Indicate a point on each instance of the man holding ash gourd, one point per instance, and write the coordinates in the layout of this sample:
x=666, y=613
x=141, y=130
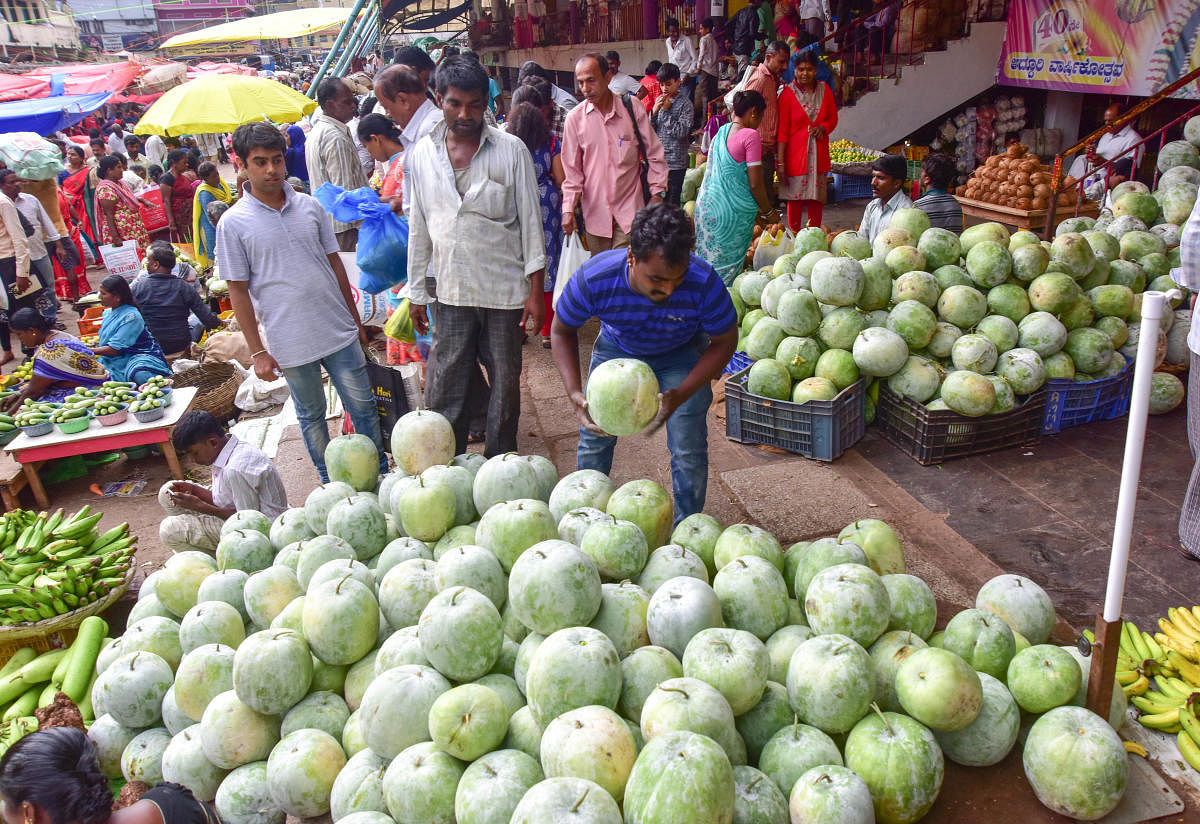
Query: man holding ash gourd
x=660, y=304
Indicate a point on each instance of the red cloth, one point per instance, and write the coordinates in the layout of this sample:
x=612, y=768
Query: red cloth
x=85, y=78
x=793, y=131
x=63, y=278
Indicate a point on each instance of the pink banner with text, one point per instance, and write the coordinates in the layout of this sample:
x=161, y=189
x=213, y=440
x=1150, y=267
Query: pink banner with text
x=1130, y=47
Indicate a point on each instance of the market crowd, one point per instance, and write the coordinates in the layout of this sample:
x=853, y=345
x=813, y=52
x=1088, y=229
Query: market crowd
x=525, y=218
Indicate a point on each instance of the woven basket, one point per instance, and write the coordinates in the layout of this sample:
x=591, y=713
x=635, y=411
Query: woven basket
x=216, y=387
x=58, y=631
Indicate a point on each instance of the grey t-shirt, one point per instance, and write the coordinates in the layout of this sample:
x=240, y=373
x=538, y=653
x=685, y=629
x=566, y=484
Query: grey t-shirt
x=283, y=255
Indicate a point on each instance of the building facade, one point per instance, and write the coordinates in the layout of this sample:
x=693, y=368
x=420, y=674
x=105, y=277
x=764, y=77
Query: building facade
x=39, y=27
x=175, y=16
x=108, y=26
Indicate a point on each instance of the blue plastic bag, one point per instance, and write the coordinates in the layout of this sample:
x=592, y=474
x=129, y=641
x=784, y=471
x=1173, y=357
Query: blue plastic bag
x=382, y=254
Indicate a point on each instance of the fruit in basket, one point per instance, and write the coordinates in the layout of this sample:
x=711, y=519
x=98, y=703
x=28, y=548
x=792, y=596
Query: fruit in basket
x=622, y=395
x=918, y=379
x=1075, y=763
x=879, y=352
x=838, y=281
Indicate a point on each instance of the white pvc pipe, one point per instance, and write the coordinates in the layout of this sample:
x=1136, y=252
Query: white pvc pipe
x=1135, y=440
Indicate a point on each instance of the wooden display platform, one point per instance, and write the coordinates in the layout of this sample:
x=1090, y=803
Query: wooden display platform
x=1023, y=218
x=31, y=453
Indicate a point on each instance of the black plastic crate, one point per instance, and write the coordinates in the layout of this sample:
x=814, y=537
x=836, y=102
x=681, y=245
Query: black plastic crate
x=821, y=430
x=1071, y=403
x=931, y=437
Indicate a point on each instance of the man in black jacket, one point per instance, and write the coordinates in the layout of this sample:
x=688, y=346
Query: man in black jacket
x=745, y=34
x=166, y=300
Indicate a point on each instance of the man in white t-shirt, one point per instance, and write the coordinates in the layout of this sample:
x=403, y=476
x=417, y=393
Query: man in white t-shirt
x=682, y=53
x=277, y=251
x=620, y=83
x=1111, y=145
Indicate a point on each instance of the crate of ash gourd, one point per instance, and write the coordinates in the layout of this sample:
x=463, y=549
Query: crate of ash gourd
x=931, y=436
x=818, y=429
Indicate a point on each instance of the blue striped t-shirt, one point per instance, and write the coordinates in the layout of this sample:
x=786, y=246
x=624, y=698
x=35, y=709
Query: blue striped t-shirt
x=636, y=324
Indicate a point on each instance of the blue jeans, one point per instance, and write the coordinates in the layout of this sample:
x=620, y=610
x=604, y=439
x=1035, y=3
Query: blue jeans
x=687, y=428
x=347, y=370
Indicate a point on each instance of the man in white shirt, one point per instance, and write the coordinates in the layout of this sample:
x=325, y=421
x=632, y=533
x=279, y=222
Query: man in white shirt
x=708, y=66
x=116, y=140
x=620, y=83
x=330, y=153
x=1111, y=145
x=44, y=231
x=682, y=53
x=156, y=150
x=887, y=184
x=475, y=225
x=243, y=477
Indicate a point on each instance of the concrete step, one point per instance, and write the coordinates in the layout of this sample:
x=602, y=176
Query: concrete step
x=927, y=86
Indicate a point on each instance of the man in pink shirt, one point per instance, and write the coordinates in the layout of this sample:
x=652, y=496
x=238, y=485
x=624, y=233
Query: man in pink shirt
x=601, y=160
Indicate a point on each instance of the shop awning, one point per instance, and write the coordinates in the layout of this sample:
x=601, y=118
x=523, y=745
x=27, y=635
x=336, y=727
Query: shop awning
x=279, y=26
x=46, y=115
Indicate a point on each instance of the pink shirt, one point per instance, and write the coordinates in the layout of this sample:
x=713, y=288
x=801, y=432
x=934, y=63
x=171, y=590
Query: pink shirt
x=601, y=151
x=745, y=146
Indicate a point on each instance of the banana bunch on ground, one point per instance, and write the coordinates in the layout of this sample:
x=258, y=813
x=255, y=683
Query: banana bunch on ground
x=1161, y=675
x=53, y=564
x=14, y=730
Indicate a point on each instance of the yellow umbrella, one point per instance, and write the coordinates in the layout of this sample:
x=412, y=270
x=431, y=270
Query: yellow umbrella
x=221, y=103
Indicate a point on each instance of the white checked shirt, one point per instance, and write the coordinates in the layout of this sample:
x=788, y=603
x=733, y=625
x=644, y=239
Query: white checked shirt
x=482, y=245
x=243, y=477
x=1188, y=273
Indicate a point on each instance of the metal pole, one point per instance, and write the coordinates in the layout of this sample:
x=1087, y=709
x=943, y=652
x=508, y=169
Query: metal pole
x=368, y=41
x=351, y=46
x=347, y=27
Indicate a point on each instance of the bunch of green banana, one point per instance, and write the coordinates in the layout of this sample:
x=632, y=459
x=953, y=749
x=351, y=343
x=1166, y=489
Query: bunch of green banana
x=1139, y=658
x=51, y=564
x=14, y=730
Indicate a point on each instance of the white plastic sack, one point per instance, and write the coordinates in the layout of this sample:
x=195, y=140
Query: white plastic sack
x=772, y=246
x=572, y=257
x=255, y=394
x=121, y=260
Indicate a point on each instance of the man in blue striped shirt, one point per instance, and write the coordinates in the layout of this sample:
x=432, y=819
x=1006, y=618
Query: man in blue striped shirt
x=663, y=305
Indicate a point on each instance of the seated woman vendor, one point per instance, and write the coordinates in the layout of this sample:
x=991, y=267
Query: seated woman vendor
x=127, y=349
x=61, y=363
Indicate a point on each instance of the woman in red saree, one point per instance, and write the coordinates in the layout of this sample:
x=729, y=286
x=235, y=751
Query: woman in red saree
x=70, y=284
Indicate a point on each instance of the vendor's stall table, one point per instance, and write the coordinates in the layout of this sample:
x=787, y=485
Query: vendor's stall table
x=1023, y=218
x=32, y=452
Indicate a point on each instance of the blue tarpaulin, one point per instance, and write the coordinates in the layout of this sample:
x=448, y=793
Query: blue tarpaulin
x=46, y=115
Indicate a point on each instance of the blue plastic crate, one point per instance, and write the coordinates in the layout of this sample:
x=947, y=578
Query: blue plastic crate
x=1071, y=403
x=821, y=430
x=846, y=187
x=737, y=363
